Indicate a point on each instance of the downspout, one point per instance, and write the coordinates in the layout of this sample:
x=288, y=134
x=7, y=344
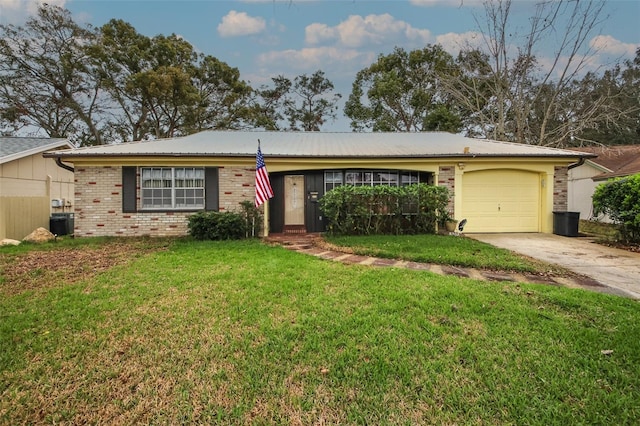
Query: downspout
x=64, y=166
x=579, y=163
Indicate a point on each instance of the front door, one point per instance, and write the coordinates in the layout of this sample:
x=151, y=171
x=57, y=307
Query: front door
x=314, y=185
x=294, y=200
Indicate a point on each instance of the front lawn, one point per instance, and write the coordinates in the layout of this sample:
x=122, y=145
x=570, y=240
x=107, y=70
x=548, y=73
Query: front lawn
x=439, y=249
x=244, y=333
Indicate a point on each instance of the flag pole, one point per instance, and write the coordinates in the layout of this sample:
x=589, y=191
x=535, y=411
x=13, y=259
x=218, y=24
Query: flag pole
x=253, y=222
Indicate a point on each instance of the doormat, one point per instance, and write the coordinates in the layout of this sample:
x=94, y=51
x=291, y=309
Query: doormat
x=294, y=229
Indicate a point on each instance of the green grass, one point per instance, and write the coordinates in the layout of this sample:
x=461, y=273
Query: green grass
x=243, y=333
x=439, y=249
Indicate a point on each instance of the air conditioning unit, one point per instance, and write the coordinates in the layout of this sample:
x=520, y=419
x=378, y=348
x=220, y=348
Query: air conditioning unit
x=57, y=203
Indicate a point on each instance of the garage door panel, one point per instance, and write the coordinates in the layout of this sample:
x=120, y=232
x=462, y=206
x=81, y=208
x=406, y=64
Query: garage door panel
x=501, y=201
x=484, y=207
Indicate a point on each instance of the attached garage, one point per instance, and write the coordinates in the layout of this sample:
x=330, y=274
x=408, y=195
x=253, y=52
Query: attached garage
x=501, y=201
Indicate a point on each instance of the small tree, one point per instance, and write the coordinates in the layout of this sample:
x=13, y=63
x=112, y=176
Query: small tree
x=306, y=103
x=620, y=200
x=252, y=218
x=312, y=103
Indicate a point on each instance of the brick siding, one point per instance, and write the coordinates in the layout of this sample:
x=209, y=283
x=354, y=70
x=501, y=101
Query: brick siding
x=560, y=189
x=447, y=178
x=237, y=184
x=98, y=203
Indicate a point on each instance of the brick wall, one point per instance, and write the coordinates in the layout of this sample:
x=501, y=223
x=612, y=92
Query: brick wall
x=237, y=184
x=560, y=189
x=447, y=178
x=98, y=203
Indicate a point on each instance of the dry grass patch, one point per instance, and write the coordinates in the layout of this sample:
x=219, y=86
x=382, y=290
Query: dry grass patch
x=48, y=265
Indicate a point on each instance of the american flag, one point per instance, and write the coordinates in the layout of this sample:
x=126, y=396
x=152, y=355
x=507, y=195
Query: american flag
x=263, y=186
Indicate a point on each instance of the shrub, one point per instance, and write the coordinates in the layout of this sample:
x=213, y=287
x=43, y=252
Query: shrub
x=363, y=210
x=620, y=200
x=252, y=218
x=217, y=226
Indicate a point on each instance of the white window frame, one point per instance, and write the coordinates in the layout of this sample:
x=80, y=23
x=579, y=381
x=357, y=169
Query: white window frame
x=165, y=183
x=333, y=179
x=367, y=177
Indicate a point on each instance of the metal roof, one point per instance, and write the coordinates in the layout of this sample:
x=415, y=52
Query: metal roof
x=13, y=148
x=319, y=144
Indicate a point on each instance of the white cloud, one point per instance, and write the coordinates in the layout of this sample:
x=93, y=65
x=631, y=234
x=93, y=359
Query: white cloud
x=319, y=33
x=16, y=11
x=455, y=42
x=10, y=4
x=28, y=5
x=606, y=52
x=312, y=58
x=358, y=31
x=240, y=24
x=608, y=45
x=448, y=3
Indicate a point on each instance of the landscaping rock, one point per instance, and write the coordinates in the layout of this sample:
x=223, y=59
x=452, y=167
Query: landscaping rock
x=40, y=235
x=9, y=242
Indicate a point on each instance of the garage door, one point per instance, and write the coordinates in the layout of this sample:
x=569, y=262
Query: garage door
x=501, y=201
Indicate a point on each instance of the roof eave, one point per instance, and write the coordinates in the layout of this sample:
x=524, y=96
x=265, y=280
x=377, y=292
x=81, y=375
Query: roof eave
x=70, y=156
x=39, y=150
x=607, y=176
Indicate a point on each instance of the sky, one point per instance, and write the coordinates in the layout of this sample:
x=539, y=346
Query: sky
x=267, y=38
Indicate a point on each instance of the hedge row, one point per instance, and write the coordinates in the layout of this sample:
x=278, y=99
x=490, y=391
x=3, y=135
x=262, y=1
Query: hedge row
x=365, y=210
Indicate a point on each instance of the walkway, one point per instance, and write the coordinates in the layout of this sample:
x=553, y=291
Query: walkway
x=314, y=245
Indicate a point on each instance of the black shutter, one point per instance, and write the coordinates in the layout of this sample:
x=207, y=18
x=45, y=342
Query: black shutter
x=129, y=189
x=211, y=189
x=276, y=204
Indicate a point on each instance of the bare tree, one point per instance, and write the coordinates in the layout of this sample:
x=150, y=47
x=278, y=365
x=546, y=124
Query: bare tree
x=509, y=93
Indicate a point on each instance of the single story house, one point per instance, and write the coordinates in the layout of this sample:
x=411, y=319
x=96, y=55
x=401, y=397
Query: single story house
x=31, y=187
x=611, y=162
x=151, y=187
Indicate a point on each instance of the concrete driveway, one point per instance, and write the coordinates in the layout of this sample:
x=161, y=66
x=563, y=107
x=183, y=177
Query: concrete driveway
x=619, y=270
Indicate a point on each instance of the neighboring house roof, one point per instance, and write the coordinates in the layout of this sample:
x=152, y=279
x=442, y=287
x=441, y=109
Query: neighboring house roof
x=615, y=160
x=319, y=144
x=14, y=148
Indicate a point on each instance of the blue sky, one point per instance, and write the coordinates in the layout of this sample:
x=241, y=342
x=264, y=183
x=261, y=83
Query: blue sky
x=266, y=38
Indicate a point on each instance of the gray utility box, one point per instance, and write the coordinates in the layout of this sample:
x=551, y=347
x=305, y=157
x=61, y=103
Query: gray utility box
x=566, y=223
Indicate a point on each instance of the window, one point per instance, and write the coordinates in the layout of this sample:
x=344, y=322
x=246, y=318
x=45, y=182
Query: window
x=409, y=178
x=386, y=178
x=357, y=177
x=377, y=177
x=332, y=179
x=172, y=187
